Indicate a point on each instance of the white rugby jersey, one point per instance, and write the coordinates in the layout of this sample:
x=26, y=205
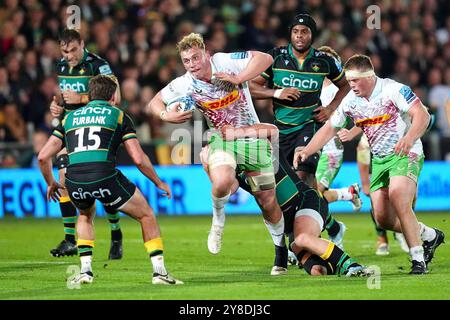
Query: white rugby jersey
x=383, y=117
x=334, y=146
x=221, y=102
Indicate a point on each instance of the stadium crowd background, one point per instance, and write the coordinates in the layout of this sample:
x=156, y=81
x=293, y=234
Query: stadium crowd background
x=138, y=37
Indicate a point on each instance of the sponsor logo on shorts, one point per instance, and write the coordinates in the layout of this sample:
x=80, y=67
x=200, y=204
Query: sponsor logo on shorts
x=97, y=194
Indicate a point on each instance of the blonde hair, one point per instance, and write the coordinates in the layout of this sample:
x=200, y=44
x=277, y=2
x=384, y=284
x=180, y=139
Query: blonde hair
x=360, y=62
x=330, y=51
x=192, y=40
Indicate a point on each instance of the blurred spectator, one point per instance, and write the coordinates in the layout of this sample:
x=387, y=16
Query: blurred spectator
x=28, y=159
x=40, y=101
x=138, y=39
x=13, y=126
x=437, y=97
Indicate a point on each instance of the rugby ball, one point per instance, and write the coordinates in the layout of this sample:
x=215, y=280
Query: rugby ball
x=182, y=103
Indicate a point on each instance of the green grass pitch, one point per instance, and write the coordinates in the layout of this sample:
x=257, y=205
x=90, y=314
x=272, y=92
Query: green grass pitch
x=240, y=271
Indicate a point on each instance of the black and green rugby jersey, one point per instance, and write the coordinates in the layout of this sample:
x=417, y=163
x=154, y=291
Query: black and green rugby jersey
x=286, y=72
x=92, y=135
x=77, y=78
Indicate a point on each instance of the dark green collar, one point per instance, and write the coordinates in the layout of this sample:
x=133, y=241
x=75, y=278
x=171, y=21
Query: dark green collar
x=291, y=53
x=97, y=102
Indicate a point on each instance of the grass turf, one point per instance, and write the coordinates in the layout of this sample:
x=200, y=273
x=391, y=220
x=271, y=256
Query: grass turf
x=240, y=271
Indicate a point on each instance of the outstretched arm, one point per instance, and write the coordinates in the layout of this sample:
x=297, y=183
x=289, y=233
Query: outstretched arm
x=143, y=163
x=348, y=135
x=259, y=130
x=50, y=149
x=259, y=62
x=260, y=91
x=317, y=142
x=324, y=113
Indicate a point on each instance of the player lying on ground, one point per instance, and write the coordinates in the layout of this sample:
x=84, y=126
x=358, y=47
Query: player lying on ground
x=91, y=136
x=304, y=210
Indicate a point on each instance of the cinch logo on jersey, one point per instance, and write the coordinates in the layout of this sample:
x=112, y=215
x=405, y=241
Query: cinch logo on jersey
x=222, y=103
x=98, y=194
x=89, y=109
x=375, y=121
x=74, y=86
x=299, y=83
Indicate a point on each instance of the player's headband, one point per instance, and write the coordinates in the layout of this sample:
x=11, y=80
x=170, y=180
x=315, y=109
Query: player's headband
x=359, y=74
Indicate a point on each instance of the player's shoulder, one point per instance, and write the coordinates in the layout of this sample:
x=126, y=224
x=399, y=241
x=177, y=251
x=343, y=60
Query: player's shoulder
x=390, y=85
x=92, y=57
x=98, y=62
x=327, y=57
x=349, y=99
x=221, y=57
x=61, y=64
x=179, y=84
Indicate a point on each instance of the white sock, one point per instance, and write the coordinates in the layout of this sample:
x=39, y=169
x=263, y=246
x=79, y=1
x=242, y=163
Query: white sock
x=417, y=253
x=426, y=233
x=86, y=264
x=219, y=210
x=276, y=231
x=344, y=194
x=158, y=264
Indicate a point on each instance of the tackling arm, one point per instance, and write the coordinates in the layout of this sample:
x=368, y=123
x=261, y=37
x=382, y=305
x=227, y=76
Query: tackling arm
x=50, y=149
x=317, y=142
x=259, y=130
x=260, y=91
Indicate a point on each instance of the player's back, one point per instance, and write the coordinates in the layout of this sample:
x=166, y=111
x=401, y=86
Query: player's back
x=92, y=135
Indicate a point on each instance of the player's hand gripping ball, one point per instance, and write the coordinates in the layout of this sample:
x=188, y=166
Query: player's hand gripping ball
x=180, y=104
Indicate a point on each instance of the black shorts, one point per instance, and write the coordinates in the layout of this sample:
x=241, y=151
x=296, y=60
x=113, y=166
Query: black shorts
x=288, y=143
x=113, y=191
x=309, y=200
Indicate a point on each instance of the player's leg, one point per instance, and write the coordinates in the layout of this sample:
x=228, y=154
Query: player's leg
x=85, y=242
x=307, y=228
x=222, y=179
x=138, y=208
x=274, y=221
x=115, y=250
x=401, y=194
x=222, y=170
x=66, y=247
x=255, y=158
x=363, y=163
x=382, y=246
